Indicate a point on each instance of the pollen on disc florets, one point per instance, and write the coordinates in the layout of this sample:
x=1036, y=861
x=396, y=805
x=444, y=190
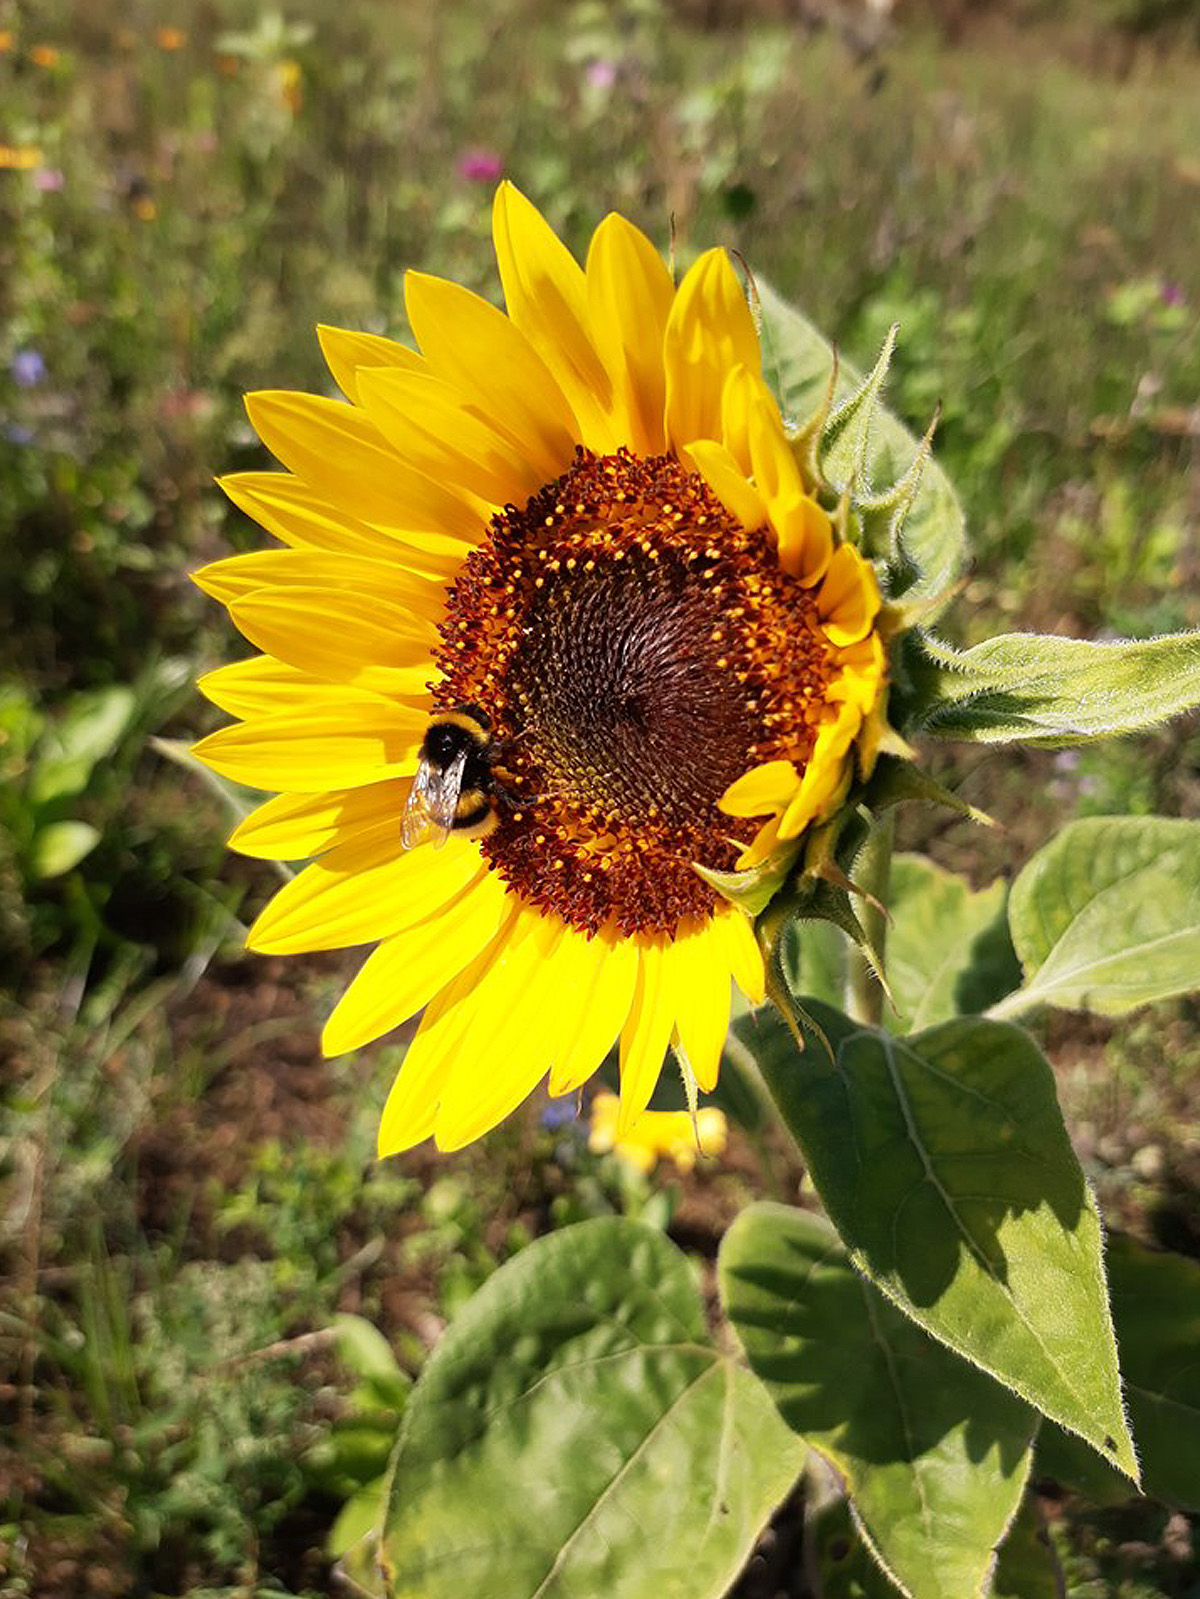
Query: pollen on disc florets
x=636, y=649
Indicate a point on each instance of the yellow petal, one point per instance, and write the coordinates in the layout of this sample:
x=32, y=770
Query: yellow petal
x=353, y=738
x=364, y=890
x=546, y=294
x=647, y=1030
x=826, y=776
x=720, y=471
x=765, y=842
x=629, y=293
x=505, y=1049
x=239, y=575
x=597, y=991
x=262, y=686
x=346, y=350
x=483, y=355
x=848, y=600
x=753, y=429
x=427, y=423
x=863, y=668
x=411, y=1110
x=342, y=636
x=290, y=510
x=344, y=458
x=762, y=789
x=754, y=435
x=743, y=957
x=296, y=827
x=700, y=977
x=416, y=963
x=709, y=331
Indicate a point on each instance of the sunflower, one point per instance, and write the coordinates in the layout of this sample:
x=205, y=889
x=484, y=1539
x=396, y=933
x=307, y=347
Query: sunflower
x=584, y=520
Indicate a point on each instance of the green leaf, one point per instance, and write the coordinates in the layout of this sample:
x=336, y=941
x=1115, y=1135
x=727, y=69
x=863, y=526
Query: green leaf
x=933, y=1452
x=797, y=361
x=1034, y=689
x=944, y=1164
x=61, y=845
x=357, y=1519
x=948, y=951
x=1156, y=1306
x=576, y=1433
x=1028, y=1567
x=91, y=729
x=1107, y=916
x=368, y=1354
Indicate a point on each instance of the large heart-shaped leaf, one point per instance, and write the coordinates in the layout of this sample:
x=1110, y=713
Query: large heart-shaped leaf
x=1032, y=688
x=948, y=951
x=933, y=1452
x=1107, y=916
x=575, y=1432
x=944, y=1164
x=797, y=362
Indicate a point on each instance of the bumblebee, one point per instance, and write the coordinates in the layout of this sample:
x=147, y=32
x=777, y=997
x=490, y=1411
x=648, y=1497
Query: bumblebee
x=454, y=790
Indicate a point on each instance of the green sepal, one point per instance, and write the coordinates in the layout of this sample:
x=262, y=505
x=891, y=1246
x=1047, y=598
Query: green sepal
x=844, y=454
x=812, y=898
x=884, y=514
x=753, y=890
x=846, y=442
x=899, y=782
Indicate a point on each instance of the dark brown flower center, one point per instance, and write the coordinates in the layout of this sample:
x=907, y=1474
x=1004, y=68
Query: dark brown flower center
x=636, y=649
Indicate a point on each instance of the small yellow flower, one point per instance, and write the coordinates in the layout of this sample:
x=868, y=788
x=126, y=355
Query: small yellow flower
x=7, y=39
x=289, y=78
x=583, y=519
x=170, y=38
x=657, y=1135
x=19, y=158
x=45, y=55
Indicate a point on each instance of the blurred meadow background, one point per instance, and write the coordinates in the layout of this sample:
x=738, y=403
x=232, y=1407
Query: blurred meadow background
x=212, y=1298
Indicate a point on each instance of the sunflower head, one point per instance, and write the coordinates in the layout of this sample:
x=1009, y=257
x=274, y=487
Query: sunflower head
x=586, y=521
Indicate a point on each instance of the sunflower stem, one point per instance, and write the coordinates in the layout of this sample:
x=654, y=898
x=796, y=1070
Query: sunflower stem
x=872, y=871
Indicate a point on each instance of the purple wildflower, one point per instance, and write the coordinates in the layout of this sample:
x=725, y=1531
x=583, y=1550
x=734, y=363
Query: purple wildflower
x=28, y=368
x=560, y=1113
x=480, y=166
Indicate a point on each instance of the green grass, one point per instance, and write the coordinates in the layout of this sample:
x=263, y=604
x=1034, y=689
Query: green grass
x=187, y=1185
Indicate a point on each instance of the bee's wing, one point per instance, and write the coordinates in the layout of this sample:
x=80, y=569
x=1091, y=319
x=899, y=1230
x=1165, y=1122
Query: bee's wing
x=432, y=802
